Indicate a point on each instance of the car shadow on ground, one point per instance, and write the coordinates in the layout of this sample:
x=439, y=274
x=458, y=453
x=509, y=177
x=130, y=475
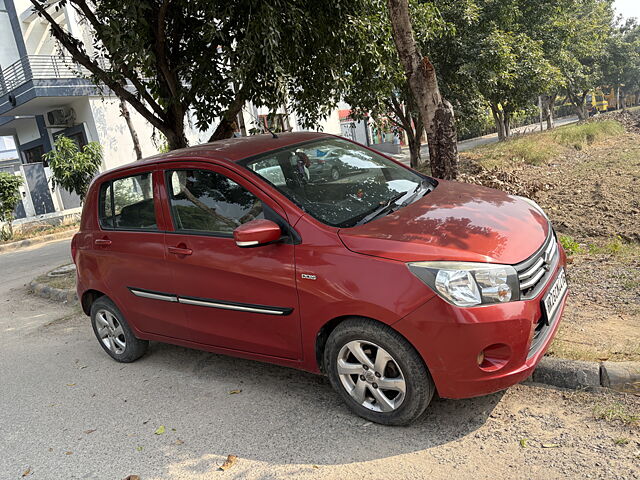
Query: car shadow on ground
x=286, y=416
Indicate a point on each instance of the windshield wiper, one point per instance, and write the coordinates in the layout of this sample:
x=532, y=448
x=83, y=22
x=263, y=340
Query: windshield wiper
x=389, y=205
x=417, y=192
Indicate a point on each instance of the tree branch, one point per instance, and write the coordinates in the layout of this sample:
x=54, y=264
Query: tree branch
x=168, y=77
x=73, y=47
x=127, y=71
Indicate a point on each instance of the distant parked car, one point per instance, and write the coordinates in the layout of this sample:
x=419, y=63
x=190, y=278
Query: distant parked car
x=394, y=284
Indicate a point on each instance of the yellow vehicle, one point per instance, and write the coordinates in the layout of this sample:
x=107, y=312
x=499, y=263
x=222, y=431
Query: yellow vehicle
x=596, y=102
x=614, y=94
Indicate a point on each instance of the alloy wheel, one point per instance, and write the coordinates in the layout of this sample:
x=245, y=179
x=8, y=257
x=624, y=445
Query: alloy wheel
x=110, y=331
x=371, y=376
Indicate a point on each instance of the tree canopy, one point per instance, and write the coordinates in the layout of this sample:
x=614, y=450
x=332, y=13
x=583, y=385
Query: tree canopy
x=171, y=58
x=181, y=61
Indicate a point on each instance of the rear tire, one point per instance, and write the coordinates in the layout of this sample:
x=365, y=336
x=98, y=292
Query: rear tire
x=335, y=174
x=378, y=374
x=113, y=332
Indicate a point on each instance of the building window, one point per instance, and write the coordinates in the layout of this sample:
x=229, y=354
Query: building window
x=34, y=155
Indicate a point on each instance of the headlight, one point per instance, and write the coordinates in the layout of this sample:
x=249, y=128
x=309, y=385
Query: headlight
x=467, y=284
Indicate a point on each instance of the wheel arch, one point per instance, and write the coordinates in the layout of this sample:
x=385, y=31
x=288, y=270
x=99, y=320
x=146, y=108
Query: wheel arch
x=326, y=329
x=88, y=299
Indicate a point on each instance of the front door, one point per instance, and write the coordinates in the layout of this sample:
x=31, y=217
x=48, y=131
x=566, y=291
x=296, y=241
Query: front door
x=243, y=299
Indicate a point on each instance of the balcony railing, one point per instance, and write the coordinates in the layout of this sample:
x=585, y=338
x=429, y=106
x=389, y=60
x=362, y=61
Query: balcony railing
x=38, y=67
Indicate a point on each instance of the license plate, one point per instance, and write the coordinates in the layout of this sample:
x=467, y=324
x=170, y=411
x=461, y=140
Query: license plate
x=554, y=296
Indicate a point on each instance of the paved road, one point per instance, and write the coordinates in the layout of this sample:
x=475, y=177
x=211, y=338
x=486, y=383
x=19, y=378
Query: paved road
x=67, y=411
x=465, y=145
x=21, y=266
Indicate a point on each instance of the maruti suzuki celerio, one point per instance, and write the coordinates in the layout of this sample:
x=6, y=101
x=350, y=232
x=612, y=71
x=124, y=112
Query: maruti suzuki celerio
x=314, y=252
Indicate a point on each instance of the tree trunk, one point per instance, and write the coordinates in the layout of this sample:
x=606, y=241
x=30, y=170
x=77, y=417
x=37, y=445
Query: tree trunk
x=124, y=112
x=175, y=139
x=506, y=118
x=578, y=104
x=436, y=112
x=580, y=111
x=548, y=101
x=175, y=134
x=228, y=122
x=498, y=118
x=413, y=138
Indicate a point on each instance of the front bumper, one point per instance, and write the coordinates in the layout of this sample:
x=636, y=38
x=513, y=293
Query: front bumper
x=450, y=339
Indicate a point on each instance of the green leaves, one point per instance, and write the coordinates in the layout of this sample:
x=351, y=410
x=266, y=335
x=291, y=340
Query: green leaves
x=72, y=168
x=9, y=199
x=9, y=194
x=209, y=58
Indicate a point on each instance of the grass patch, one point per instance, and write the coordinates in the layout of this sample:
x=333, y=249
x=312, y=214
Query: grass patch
x=540, y=148
x=40, y=230
x=571, y=247
x=616, y=412
x=531, y=149
x=616, y=246
x=561, y=348
x=579, y=136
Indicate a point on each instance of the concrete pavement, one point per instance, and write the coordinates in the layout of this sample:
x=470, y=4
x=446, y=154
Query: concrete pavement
x=67, y=411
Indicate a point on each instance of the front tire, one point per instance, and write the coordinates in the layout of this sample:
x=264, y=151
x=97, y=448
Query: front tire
x=113, y=332
x=378, y=374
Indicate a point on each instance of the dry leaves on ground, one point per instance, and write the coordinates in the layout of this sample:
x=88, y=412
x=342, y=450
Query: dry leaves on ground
x=229, y=462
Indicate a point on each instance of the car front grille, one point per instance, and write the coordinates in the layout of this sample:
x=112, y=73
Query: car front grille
x=535, y=271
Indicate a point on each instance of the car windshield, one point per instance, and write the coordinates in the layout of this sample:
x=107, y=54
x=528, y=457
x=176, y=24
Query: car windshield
x=339, y=182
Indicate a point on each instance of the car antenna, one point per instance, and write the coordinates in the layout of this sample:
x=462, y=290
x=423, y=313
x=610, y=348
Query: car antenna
x=273, y=135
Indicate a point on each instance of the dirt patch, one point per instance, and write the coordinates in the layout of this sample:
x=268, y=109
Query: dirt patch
x=592, y=196
x=595, y=192
x=62, y=282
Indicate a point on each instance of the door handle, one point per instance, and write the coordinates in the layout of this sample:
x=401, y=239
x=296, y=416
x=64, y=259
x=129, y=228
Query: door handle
x=180, y=250
x=102, y=242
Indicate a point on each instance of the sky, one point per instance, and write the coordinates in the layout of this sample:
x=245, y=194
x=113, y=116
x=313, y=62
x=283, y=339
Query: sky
x=628, y=8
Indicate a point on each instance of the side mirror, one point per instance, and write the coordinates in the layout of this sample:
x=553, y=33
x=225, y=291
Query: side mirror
x=256, y=233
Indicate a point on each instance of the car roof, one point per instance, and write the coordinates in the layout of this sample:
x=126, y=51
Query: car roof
x=231, y=149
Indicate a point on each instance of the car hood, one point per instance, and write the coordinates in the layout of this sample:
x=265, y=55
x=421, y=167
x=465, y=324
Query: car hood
x=456, y=221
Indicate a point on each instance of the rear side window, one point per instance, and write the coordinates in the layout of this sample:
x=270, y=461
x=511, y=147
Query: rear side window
x=205, y=201
x=127, y=203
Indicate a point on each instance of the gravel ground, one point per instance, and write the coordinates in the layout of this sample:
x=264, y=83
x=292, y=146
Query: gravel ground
x=68, y=411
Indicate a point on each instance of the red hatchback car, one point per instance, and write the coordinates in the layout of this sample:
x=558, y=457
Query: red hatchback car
x=314, y=252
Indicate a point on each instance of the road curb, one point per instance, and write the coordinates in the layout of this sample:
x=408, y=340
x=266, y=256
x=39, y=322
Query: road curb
x=56, y=294
x=10, y=247
x=580, y=375
x=622, y=376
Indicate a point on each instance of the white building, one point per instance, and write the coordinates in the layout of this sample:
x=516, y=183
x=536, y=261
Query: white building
x=43, y=95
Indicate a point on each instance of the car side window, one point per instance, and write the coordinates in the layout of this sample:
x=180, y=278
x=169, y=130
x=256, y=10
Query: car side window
x=208, y=202
x=270, y=169
x=127, y=203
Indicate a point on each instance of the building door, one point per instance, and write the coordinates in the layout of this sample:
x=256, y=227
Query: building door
x=38, y=187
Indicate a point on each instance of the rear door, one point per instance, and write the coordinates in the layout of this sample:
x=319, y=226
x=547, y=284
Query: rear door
x=238, y=298
x=130, y=254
